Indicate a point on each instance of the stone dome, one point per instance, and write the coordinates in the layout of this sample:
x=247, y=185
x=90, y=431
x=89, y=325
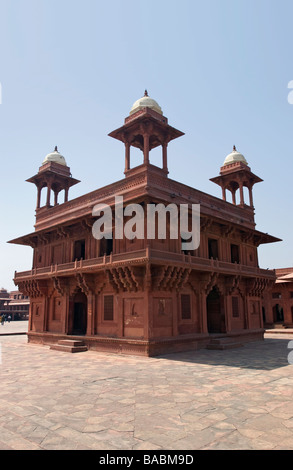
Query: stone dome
x=55, y=157
x=145, y=102
x=234, y=157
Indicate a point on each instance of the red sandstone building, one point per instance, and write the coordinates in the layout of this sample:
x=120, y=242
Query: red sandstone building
x=14, y=304
x=278, y=302
x=145, y=296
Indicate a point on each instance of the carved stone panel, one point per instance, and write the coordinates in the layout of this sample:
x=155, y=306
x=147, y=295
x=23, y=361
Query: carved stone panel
x=133, y=313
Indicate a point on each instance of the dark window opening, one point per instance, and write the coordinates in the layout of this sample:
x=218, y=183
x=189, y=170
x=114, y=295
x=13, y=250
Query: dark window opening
x=235, y=258
x=276, y=295
x=235, y=307
x=106, y=247
x=109, y=307
x=79, y=250
x=213, y=248
x=185, y=307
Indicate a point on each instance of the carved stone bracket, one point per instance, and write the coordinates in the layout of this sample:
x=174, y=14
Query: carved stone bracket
x=44, y=238
x=256, y=287
x=33, y=288
x=62, y=232
x=59, y=285
x=85, y=283
x=123, y=278
x=233, y=285
x=86, y=224
x=227, y=230
x=247, y=237
x=205, y=224
x=171, y=277
x=211, y=282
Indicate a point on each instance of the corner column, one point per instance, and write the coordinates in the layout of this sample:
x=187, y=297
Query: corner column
x=127, y=156
x=146, y=149
x=164, y=146
x=48, y=195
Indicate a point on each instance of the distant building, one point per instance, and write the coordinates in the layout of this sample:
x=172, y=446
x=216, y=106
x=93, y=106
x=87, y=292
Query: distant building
x=278, y=302
x=14, y=304
x=145, y=295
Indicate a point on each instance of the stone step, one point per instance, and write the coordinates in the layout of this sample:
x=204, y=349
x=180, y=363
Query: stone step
x=71, y=342
x=67, y=345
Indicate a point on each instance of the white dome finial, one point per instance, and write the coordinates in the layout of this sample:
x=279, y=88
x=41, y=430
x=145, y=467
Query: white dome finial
x=55, y=157
x=234, y=157
x=145, y=102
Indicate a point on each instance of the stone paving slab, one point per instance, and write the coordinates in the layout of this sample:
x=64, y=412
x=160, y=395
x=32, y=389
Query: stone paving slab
x=202, y=400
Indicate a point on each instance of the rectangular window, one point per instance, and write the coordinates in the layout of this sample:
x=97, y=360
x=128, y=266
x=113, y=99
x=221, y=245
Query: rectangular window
x=213, y=248
x=291, y=295
x=235, y=258
x=276, y=295
x=185, y=307
x=235, y=307
x=106, y=246
x=108, y=307
x=79, y=250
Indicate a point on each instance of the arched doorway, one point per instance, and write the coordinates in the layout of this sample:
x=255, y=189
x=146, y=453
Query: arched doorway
x=278, y=314
x=79, y=314
x=215, y=312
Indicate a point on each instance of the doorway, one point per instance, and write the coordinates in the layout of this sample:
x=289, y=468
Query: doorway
x=79, y=314
x=215, y=312
x=278, y=314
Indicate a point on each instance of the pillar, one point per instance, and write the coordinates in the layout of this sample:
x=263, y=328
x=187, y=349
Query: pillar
x=203, y=311
x=233, y=196
x=164, y=147
x=90, y=314
x=39, y=197
x=224, y=193
x=48, y=194
x=66, y=195
x=241, y=193
x=127, y=156
x=146, y=149
x=227, y=311
x=250, y=197
x=65, y=315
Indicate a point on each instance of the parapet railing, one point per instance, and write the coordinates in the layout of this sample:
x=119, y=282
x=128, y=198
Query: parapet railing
x=141, y=257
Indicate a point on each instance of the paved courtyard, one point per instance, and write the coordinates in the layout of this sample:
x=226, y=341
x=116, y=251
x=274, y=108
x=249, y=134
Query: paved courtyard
x=234, y=399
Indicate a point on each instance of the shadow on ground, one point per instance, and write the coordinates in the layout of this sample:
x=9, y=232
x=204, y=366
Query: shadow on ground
x=268, y=354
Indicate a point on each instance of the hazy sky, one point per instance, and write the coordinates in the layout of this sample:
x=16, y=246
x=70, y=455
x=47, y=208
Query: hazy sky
x=71, y=70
